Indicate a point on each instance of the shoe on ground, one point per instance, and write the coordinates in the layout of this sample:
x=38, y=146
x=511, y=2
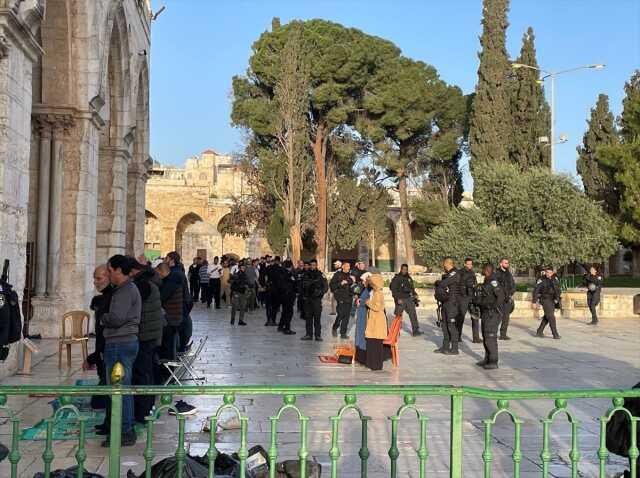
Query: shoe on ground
x=593, y=322
x=490, y=366
x=477, y=341
x=280, y=329
x=557, y=337
x=288, y=332
x=344, y=336
x=127, y=439
x=318, y=339
x=334, y=332
x=504, y=337
x=183, y=408
x=540, y=334
x=306, y=337
x=102, y=431
x=440, y=350
x=482, y=363
x=451, y=352
x=232, y=322
x=417, y=333
x=242, y=323
x=332, y=313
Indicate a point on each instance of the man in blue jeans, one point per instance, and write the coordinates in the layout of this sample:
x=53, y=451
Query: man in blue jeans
x=120, y=332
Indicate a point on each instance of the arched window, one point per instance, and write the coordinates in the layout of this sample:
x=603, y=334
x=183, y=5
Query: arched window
x=203, y=177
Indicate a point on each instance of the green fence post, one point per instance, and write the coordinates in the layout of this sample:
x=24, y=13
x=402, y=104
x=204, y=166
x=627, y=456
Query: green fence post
x=115, y=433
x=455, y=459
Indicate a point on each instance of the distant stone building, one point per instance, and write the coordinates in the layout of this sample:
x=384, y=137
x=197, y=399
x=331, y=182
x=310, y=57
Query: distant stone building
x=184, y=207
x=74, y=142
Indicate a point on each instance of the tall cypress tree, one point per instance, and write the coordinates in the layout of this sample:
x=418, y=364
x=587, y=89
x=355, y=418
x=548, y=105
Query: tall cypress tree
x=489, y=128
x=597, y=178
x=529, y=111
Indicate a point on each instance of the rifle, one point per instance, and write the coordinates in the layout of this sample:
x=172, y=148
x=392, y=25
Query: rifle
x=5, y=272
x=439, y=314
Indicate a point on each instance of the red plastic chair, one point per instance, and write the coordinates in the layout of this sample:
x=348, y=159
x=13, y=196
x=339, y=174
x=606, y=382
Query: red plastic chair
x=392, y=339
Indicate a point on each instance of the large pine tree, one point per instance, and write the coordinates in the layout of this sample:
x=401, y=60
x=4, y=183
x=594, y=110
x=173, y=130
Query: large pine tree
x=597, y=178
x=530, y=112
x=490, y=122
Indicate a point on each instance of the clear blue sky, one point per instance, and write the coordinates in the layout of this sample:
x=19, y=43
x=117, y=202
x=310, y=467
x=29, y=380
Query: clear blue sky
x=198, y=45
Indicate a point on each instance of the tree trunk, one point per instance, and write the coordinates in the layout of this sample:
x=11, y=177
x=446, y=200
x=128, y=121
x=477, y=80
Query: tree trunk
x=295, y=238
x=404, y=217
x=635, y=266
x=373, y=249
x=321, y=198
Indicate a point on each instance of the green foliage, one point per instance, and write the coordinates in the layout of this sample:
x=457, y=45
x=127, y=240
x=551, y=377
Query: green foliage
x=471, y=233
x=531, y=116
x=563, y=224
x=277, y=231
x=597, y=178
x=429, y=212
x=624, y=162
x=490, y=120
x=356, y=211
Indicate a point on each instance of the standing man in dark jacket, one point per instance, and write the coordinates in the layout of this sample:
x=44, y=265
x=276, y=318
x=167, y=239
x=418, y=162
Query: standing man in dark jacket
x=547, y=295
x=121, y=326
x=404, y=295
x=287, y=288
x=186, y=327
x=489, y=297
x=303, y=267
x=171, y=298
x=194, y=278
x=469, y=281
x=273, y=272
x=593, y=282
x=152, y=324
x=340, y=286
x=508, y=285
x=239, y=286
x=314, y=287
x=450, y=291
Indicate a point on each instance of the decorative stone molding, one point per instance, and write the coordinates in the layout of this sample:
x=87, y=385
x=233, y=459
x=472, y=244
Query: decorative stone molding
x=4, y=47
x=47, y=312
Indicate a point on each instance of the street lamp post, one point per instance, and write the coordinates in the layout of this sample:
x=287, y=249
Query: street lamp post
x=552, y=75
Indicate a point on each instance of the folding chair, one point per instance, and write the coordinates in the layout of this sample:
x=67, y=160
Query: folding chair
x=183, y=365
x=392, y=339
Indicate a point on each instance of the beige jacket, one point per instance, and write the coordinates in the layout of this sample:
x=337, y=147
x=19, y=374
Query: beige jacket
x=376, y=319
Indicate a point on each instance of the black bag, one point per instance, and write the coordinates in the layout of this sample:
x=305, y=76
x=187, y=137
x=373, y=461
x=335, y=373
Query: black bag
x=441, y=294
x=345, y=359
x=68, y=473
x=619, y=427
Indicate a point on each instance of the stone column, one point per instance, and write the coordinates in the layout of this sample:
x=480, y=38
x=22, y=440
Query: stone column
x=136, y=182
x=44, y=176
x=55, y=209
x=400, y=243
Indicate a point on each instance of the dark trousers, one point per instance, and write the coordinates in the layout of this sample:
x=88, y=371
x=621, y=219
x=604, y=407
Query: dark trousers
x=593, y=299
x=185, y=331
x=490, y=325
x=143, y=374
x=343, y=311
x=407, y=305
x=287, y=312
x=194, y=285
x=170, y=339
x=273, y=306
x=475, y=323
x=214, y=296
x=301, y=306
x=312, y=314
x=549, y=308
x=205, y=292
x=450, y=313
x=507, y=308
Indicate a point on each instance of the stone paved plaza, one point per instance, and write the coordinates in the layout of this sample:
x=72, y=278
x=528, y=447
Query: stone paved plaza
x=586, y=357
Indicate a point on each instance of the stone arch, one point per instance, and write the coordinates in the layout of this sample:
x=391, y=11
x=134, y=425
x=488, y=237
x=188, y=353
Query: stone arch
x=183, y=224
x=385, y=251
x=417, y=233
x=55, y=65
x=114, y=154
x=137, y=172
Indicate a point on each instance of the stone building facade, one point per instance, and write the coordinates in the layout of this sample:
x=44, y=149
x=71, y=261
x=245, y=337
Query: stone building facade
x=74, y=147
x=184, y=208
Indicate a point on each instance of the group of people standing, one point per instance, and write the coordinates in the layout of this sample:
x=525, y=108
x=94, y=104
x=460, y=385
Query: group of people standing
x=142, y=317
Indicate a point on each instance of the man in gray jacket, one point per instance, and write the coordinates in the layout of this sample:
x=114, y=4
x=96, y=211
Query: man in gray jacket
x=121, y=326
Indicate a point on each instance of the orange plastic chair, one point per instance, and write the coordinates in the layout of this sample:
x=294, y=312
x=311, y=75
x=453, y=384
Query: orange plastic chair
x=392, y=339
x=77, y=333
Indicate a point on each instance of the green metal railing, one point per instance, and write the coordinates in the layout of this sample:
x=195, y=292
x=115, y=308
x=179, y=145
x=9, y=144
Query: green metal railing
x=290, y=394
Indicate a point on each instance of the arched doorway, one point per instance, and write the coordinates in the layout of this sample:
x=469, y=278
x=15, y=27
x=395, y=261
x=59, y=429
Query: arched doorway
x=185, y=223
x=417, y=233
x=386, y=249
x=113, y=154
x=152, y=235
x=136, y=174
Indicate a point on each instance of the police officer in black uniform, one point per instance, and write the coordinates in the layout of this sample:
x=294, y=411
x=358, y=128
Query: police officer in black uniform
x=547, y=295
x=314, y=287
x=508, y=285
x=489, y=297
x=449, y=291
x=405, y=297
x=469, y=281
x=593, y=282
